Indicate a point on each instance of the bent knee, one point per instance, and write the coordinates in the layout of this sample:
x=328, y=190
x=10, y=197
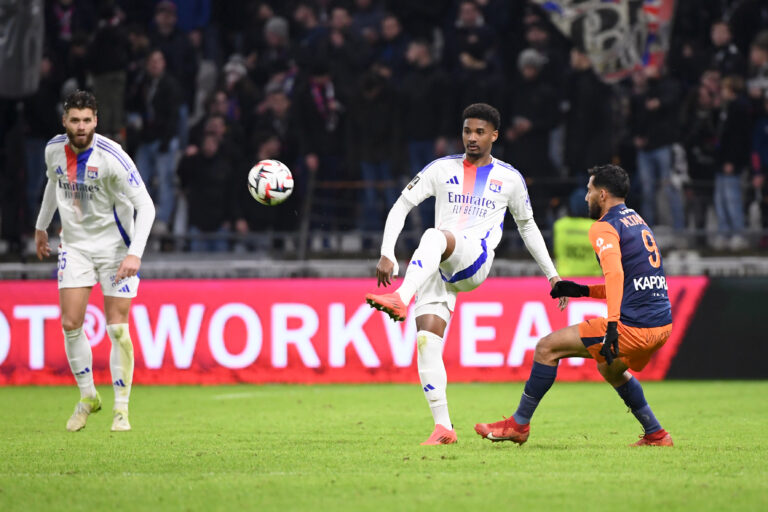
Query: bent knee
x=70, y=324
x=433, y=235
x=545, y=349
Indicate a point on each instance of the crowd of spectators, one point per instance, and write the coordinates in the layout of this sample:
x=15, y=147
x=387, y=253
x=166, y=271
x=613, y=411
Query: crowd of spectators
x=356, y=96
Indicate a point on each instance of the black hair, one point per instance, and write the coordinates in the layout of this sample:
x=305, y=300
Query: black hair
x=612, y=178
x=80, y=100
x=482, y=111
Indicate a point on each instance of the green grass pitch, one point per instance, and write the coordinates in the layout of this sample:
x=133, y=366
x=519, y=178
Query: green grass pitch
x=356, y=447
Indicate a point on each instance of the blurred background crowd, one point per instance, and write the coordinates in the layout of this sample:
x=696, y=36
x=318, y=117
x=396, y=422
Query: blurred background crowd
x=357, y=96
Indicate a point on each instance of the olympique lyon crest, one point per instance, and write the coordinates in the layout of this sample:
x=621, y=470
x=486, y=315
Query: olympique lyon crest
x=495, y=186
x=92, y=172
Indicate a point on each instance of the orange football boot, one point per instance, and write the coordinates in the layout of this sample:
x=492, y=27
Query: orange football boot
x=390, y=303
x=660, y=438
x=505, y=430
x=441, y=435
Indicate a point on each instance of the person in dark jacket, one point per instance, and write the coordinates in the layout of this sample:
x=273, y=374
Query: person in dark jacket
x=373, y=127
x=317, y=110
x=653, y=122
x=181, y=60
x=425, y=95
x=533, y=113
x=587, y=124
x=345, y=53
x=392, y=47
x=760, y=164
x=63, y=20
x=725, y=56
x=108, y=57
x=699, y=120
x=178, y=51
x=732, y=158
x=309, y=29
x=471, y=55
x=208, y=181
x=156, y=101
x=41, y=122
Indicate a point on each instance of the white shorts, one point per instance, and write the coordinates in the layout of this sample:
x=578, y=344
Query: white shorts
x=464, y=270
x=79, y=269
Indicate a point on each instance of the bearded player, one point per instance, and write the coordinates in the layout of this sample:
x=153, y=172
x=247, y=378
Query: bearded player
x=639, y=318
x=472, y=191
x=96, y=187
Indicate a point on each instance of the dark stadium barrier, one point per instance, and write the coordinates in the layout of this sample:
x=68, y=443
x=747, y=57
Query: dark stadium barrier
x=304, y=330
x=726, y=338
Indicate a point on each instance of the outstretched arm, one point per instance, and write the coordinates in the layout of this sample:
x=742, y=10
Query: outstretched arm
x=606, y=243
x=48, y=206
x=145, y=216
x=131, y=185
x=47, y=209
x=387, y=266
x=534, y=242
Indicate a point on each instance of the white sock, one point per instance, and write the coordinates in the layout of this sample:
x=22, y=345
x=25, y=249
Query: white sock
x=80, y=360
x=121, y=363
x=424, y=263
x=432, y=375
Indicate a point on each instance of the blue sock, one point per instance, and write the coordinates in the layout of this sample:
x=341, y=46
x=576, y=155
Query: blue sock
x=541, y=379
x=632, y=394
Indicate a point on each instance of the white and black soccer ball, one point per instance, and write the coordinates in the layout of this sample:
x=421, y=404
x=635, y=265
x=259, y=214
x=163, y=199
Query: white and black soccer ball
x=270, y=182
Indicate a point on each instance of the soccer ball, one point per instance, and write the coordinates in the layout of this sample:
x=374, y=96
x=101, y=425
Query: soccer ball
x=270, y=182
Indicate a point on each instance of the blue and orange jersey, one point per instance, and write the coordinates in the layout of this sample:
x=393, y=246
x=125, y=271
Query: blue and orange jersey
x=635, y=285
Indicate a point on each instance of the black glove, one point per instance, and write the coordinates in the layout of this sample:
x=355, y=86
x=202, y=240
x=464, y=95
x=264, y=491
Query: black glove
x=610, y=348
x=568, y=289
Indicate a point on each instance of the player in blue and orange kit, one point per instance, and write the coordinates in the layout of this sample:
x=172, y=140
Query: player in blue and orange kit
x=639, y=318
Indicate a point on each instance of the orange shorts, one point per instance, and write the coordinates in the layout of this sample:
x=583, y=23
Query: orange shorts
x=636, y=344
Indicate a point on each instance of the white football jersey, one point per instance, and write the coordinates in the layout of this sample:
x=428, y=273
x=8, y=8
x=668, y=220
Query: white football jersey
x=471, y=200
x=94, y=189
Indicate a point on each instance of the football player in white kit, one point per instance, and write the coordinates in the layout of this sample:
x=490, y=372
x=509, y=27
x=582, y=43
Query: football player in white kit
x=472, y=191
x=96, y=187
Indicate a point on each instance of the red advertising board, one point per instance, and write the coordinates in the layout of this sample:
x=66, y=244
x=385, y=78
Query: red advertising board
x=303, y=330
